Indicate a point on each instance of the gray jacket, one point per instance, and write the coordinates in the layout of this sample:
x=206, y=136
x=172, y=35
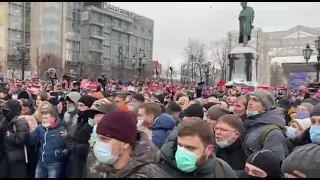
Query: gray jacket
x=275, y=140
x=168, y=163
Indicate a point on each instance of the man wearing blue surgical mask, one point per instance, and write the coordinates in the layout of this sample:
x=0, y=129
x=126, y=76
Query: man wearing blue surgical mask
x=314, y=131
x=70, y=117
x=123, y=152
x=265, y=125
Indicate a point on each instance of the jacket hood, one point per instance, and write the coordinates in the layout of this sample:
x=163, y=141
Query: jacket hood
x=27, y=95
x=168, y=152
x=144, y=152
x=14, y=107
x=272, y=117
x=164, y=121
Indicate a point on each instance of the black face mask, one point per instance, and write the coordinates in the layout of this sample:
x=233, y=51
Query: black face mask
x=81, y=113
x=7, y=114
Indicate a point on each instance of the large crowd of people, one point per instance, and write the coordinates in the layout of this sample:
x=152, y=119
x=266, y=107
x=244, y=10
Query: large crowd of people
x=74, y=133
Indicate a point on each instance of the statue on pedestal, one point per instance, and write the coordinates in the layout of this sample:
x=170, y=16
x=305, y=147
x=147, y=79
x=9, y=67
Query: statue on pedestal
x=246, y=18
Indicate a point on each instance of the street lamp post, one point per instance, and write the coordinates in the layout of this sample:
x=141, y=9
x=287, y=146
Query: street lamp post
x=208, y=67
x=307, y=55
x=23, y=50
x=81, y=68
x=142, y=61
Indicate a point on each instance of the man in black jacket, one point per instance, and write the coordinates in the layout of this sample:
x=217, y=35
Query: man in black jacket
x=15, y=139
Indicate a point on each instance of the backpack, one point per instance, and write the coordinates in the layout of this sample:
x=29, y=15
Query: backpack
x=218, y=171
x=270, y=128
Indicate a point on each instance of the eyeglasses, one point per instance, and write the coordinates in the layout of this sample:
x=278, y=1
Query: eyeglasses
x=223, y=130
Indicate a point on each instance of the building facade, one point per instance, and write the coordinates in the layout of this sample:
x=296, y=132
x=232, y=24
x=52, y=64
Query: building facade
x=77, y=38
x=111, y=36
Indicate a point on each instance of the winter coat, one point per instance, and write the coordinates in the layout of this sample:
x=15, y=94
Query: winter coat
x=51, y=143
x=144, y=161
x=275, y=141
x=168, y=163
x=161, y=129
x=234, y=155
x=3, y=157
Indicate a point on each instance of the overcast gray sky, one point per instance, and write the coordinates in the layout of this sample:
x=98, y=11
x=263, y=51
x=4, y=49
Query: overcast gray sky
x=175, y=22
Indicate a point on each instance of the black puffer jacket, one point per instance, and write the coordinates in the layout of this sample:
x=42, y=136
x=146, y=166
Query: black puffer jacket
x=16, y=137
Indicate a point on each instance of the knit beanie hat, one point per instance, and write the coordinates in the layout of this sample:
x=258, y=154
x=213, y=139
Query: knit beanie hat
x=73, y=97
x=284, y=103
x=265, y=97
x=216, y=111
x=195, y=110
x=119, y=125
x=267, y=161
x=305, y=159
x=309, y=106
x=87, y=100
x=315, y=111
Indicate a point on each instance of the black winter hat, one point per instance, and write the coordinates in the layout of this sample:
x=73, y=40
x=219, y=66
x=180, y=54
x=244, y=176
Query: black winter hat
x=195, y=110
x=305, y=159
x=87, y=100
x=267, y=161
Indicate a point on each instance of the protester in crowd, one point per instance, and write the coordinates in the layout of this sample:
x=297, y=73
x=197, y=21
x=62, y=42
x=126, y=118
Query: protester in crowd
x=174, y=110
x=189, y=153
x=4, y=94
x=15, y=138
x=194, y=110
x=120, y=98
x=53, y=150
x=240, y=107
x=303, y=162
x=262, y=164
x=129, y=152
x=214, y=113
x=160, y=124
x=147, y=96
x=42, y=96
x=138, y=97
x=228, y=138
x=265, y=126
x=70, y=117
x=284, y=105
x=78, y=138
x=183, y=102
x=98, y=109
x=133, y=106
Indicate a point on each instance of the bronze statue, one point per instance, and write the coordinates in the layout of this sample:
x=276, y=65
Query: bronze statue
x=246, y=18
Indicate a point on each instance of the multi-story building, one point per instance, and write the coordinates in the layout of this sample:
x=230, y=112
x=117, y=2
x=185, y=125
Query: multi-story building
x=111, y=36
x=74, y=37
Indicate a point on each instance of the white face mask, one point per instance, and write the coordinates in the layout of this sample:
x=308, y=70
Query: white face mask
x=46, y=125
x=139, y=123
x=223, y=144
x=14, y=96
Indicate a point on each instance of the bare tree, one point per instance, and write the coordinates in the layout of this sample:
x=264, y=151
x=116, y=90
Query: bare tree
x=276, y=75
x=219, y=55
x=50, y=60
x=195, y=53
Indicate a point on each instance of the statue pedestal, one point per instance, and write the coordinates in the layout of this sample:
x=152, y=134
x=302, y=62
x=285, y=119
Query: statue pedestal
x=242, y=64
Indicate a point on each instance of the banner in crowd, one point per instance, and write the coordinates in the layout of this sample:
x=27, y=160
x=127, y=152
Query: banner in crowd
x=297, y=79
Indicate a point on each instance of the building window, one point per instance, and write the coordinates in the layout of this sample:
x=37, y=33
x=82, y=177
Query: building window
x=95, y=43
x=125, y=38
x=115, y=48
x=115, y=36
x=133, y=40
x=141, y=42
x=150, y=32
x=96, y=17
x=135, y=27
x=142, y=30
x=124, y=25
x=96, y=30
x=148, y=44
x=116, y=22
x=107, y=19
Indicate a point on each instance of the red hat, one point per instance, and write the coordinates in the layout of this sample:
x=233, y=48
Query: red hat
x=119, y=125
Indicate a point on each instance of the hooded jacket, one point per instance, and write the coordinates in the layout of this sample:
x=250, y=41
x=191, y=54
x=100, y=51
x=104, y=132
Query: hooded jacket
x=144, y=161
x=70, y=119
x=169, y=165
x=161, y=129
x=26, y=95
x=275, y=140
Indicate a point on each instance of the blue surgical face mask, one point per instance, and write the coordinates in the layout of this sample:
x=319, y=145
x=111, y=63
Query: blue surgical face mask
x=223, y=144
x=302, y=115
x=315, y=134
x=71, y=109
x=103, y=153
x=252, y=113
x=291, y=133
x=91, y=122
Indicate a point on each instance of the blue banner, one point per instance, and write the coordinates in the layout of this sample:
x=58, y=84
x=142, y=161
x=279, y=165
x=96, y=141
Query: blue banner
x=297, y=79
